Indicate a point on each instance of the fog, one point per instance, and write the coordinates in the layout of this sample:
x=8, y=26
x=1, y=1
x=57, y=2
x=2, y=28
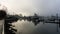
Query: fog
x=29, y=7
x=41, y=7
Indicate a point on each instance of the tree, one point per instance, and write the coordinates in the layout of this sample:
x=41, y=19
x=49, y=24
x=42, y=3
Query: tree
x=20, y=15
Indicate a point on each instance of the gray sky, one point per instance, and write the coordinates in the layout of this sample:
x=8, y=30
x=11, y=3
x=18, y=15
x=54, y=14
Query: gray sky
x=29, y=7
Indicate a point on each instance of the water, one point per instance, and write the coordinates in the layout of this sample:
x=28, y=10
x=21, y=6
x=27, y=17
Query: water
x=28, y=27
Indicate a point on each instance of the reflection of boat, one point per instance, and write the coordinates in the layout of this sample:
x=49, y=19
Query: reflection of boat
x=51, y=21
x=8, y=27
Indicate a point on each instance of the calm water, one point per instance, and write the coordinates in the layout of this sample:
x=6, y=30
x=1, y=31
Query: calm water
x=28, y=27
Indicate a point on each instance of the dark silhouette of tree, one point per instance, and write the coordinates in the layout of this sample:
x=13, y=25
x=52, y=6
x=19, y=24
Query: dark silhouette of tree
x=35, y=14
x=2, y=14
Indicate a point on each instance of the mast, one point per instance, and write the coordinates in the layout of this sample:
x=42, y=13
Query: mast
x=57, y=21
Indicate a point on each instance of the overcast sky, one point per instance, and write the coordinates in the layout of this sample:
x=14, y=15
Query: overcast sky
x=29, y=7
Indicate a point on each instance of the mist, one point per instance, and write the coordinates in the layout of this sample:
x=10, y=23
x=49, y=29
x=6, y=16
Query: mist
x=29, y=7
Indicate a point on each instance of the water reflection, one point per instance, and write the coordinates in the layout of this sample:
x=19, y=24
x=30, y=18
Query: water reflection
x=33, y=25
x=26, y=27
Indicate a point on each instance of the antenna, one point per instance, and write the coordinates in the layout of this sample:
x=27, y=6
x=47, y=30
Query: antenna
x=57, y=20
